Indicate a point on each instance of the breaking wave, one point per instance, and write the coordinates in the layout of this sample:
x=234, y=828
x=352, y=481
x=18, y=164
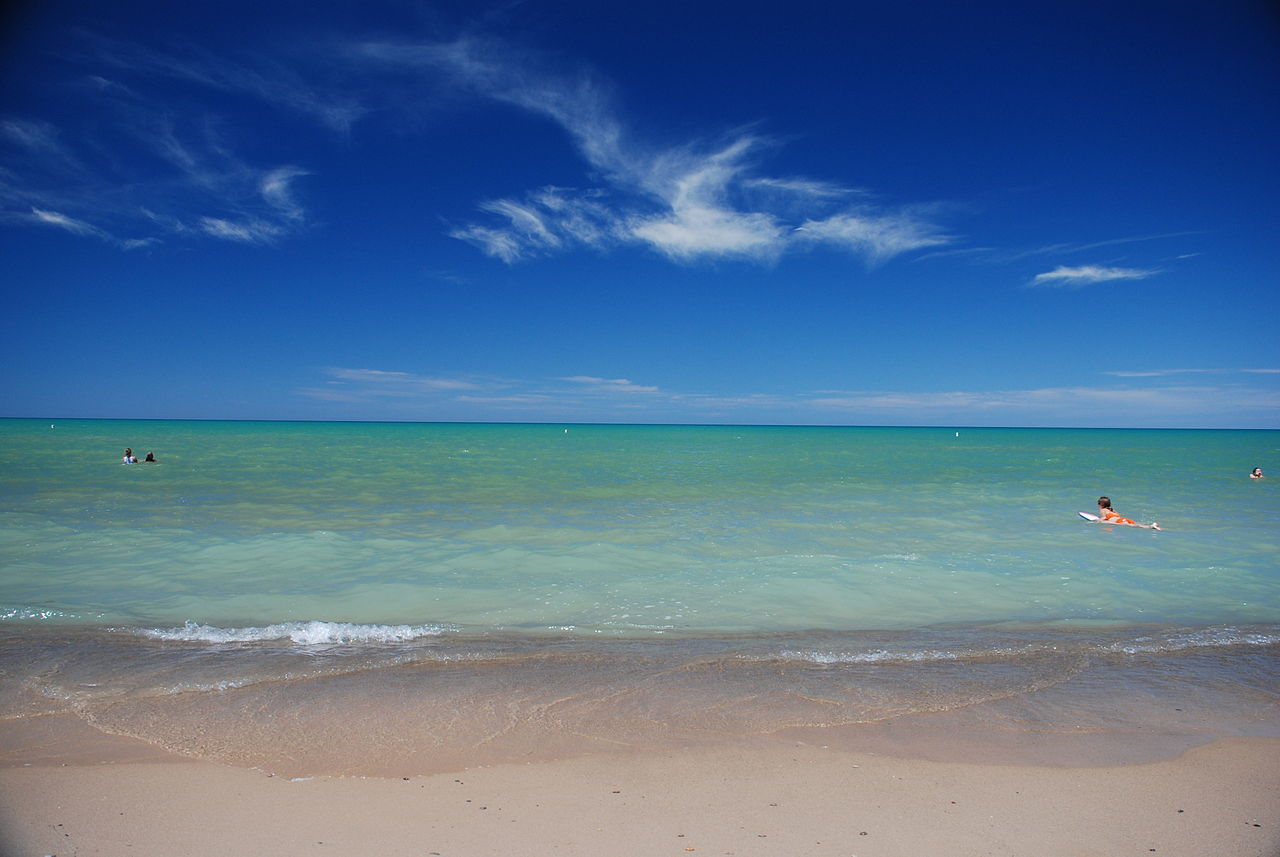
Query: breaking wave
x=312, y=633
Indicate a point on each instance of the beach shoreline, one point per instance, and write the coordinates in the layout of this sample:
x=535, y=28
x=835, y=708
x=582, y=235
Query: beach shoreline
x=983, y=734
x=109, y=796
x=633, y=641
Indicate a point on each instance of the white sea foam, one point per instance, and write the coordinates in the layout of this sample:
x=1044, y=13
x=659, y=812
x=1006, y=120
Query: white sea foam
x=1173, y=641
x=35, y=614
x=1200, y=639
x=868, y=657
x=313, y=633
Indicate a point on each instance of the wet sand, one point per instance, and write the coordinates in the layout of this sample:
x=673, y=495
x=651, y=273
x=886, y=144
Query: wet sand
x=72, y=790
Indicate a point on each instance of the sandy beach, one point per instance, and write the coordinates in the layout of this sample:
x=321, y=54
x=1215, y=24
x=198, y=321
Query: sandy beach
x=792, y=798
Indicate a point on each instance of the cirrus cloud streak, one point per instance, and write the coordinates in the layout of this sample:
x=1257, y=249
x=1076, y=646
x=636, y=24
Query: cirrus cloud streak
x=1084, y=275
x=689, y=202
x=601, y=399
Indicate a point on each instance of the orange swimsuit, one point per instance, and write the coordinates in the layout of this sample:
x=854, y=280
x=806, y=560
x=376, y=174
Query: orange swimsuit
x=1113, y=517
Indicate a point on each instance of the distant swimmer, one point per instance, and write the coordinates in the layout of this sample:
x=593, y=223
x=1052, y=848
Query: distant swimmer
x=1257, y=473
x=129, y=457
x=1110, y=516
x=151, y=457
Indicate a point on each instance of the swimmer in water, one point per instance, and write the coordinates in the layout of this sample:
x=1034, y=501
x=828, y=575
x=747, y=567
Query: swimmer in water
x=1257, y=473
x=1110, y=516
x=128, y=456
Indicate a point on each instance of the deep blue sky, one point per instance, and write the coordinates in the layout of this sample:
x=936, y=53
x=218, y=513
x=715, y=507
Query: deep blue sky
x=861, y=213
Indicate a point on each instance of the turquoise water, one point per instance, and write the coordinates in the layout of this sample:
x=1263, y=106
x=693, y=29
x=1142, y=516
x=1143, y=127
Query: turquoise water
x=254, y=553
x=623, y=529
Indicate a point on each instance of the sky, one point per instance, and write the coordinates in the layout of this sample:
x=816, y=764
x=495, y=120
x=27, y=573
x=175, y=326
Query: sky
x=854, y=213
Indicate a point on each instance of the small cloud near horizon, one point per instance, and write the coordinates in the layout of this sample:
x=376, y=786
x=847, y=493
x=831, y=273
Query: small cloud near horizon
x=578, y=396
x=1161, y=373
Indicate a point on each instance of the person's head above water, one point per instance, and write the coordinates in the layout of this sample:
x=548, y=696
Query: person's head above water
x=1104, y=502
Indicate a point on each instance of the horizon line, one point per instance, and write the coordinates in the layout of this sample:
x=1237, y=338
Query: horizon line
x=563, y=423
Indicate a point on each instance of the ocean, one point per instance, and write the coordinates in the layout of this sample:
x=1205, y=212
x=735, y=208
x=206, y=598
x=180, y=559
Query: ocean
x=373, y=597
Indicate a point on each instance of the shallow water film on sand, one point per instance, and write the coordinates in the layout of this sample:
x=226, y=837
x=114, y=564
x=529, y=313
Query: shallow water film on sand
x=499, y=587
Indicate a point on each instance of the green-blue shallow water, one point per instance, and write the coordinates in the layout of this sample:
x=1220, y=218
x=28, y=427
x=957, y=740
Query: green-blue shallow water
x=357, y=546
x=630, y=529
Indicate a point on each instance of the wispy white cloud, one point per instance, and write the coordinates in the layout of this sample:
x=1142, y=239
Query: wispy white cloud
x=248, y=232
x=195, y=185
x=41, y=140
x=975, y=401
x=697, y=217
x=259, y=77
x=566, y=394
x=70, y=224
x=499, y=243
x=1067, y=247
x=276, y=190
x=138, y=243
x=372, y=386
x=548, y=219
x=1066, y=406
x=603, y=399
x=519, y=403
x=687, y=202
x=609, y=385
x=1084, y=275
x=398, y=383
x=1161, y=373
x=877, y=237
x=577, y=101
x=1071, y=275
x=695, y=231
x=79, y=227
x=701, y=199
x=803, y=187
x=151, y=161
x=277, y=215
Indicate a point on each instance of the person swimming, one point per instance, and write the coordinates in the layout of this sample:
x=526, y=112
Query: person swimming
x=128, y=457
x=151, y=458
x=1111, y=516
x=1257, y=473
